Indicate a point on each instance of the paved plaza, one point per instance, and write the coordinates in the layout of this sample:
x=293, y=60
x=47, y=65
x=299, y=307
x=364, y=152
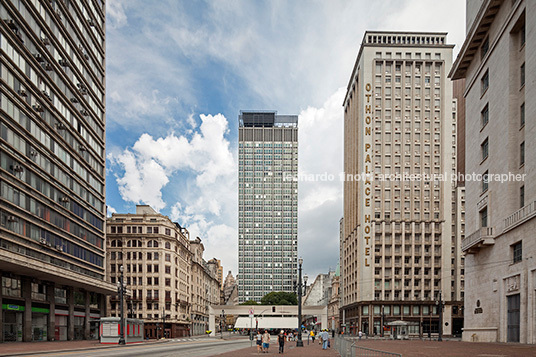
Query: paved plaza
x=449, y=348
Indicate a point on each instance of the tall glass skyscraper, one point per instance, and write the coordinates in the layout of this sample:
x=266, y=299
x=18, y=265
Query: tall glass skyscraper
x=267, y=203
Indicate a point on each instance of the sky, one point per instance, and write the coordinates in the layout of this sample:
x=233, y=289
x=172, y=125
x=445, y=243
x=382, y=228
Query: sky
x=179, y=72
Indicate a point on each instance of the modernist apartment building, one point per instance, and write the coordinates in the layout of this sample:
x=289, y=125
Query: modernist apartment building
x=164, y=272
x=52, y=157
x=399, y=248
x=497, y=62
x=267, y=203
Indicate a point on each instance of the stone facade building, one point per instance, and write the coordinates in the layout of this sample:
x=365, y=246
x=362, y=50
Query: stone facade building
x=398, y=248
x=164, y=271
x=205, y=288
x=52, y=158
x=497, y=61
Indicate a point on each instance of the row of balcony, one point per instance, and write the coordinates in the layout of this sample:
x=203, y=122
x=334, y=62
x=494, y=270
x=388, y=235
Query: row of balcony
x=485, y=236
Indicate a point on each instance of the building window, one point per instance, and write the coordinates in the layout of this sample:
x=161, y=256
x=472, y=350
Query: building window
x=484, y=82
x=484, y=48
x=522, y=197
x=517, y=252
x=485, y=181
x=522, y=74
x=522, y=115
x=484, y=217
x=484, y=115
x=484, y=147
x=522, y=153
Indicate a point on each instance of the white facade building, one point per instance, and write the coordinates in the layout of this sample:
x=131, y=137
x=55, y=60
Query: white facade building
x=498, y=63
x=399, y=248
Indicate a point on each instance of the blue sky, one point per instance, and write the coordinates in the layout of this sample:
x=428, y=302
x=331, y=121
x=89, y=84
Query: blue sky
x=179, y=72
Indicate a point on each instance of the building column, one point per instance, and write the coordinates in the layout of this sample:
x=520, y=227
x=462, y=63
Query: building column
x=51, y=333
x=87, y=319
x=27, y=319
x=324, y=317
x=70, y=318
x=211, y=321
x=1, y=315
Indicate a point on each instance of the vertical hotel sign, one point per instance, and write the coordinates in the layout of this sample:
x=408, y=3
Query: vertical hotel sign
x=367, y=179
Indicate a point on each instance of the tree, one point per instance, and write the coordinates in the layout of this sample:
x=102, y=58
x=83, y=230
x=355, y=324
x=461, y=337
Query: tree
x=250, y=302
x=279, y=298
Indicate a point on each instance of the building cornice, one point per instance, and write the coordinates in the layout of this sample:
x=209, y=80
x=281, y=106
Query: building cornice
x=474, y=38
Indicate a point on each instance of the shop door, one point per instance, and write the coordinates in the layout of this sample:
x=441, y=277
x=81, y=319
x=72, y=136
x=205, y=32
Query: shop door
x=513, y=318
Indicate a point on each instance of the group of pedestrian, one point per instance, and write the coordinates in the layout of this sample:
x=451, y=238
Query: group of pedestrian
x=263, y=341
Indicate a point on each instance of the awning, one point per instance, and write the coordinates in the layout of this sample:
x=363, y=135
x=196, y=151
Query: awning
x=267, y=322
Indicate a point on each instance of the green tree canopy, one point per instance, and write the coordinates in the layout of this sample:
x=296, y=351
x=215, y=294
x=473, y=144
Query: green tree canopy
x=279, y=298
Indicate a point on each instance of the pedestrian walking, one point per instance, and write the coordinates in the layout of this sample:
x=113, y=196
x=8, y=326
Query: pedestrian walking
x=312, y=334
x=281, y=340
x=265, y=341
x=325, y=339
x=360, y=334
x=258, y=339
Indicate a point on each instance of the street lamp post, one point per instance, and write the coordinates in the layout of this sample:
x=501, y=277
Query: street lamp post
x=222, y=323
x=121, y=291
x=439, y=304
x=381, y=331
x=299, y=286
x=164, y=321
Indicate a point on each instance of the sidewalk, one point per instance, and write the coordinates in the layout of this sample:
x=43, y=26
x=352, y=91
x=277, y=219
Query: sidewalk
x=311, y=350
x=423, y=348
x=23, y=348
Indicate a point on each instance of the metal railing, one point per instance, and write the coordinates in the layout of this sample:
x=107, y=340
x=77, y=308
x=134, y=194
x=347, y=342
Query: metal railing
x=347, y=348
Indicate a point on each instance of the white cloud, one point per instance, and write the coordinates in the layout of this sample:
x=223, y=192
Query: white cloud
x=320, y=201
x=204, y=165
x=110, y=210
x=115, y=14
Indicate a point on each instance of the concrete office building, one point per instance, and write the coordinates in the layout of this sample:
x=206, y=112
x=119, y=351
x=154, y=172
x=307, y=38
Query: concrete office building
x=497, y=62
x=267, y=203
x=52, y=177
x=399, y=248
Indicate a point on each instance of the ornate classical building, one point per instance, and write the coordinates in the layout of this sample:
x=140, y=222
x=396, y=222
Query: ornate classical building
x=169, y=282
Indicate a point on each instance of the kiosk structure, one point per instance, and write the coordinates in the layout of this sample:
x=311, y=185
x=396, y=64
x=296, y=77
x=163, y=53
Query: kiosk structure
x=110, y=330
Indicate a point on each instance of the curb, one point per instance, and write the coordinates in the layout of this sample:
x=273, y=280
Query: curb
x=81, y=349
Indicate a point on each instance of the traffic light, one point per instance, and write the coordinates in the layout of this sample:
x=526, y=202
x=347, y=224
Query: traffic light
x=273, y=308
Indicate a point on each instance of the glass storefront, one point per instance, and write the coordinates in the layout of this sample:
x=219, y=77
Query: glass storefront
x=60, y=333
x=79, y=327
x=39, y=326
x=12, y=325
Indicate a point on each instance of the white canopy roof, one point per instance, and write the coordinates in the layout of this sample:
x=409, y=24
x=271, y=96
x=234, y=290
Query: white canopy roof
x=267, y=322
